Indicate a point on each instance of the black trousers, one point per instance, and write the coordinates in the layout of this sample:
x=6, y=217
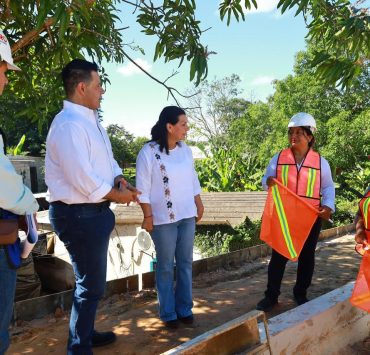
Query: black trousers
x=306, y=265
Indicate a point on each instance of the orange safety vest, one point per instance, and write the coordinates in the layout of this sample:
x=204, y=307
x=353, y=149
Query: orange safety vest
x=286, y=221
x=361, y=292
x=365, y=212
x=305, y=181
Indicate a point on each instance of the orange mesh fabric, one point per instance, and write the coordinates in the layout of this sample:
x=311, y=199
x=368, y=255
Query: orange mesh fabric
x=286, y=221
x=361, y=292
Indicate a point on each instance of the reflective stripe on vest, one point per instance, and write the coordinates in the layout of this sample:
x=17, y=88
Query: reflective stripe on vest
x=365, y=211
x=283, y=221
x=305, y=182
x=311, y=182
x=285, y=174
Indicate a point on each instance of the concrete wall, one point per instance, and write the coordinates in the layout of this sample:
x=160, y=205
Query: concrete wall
x=22, y=165
x=126, y=258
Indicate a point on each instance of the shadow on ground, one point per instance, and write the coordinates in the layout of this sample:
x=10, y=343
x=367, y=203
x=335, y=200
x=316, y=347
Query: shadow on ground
x=218, y=297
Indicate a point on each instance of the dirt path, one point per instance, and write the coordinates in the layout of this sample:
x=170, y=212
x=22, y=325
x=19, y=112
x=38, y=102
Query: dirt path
x=218, y=297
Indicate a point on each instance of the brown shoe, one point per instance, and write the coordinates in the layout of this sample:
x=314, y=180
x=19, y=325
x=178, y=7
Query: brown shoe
x=171, y=324
x=187, y=320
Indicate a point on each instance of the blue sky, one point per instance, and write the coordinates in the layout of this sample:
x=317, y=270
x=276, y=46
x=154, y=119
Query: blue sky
x=259, y=50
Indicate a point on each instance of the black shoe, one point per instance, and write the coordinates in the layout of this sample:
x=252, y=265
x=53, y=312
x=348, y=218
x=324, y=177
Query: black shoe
x=300, y=299
x=266, y=304
x=187, y=320
x=103, y=338
x=171, y=324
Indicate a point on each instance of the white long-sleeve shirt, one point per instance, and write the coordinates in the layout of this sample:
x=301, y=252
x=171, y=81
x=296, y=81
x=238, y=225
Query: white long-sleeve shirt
x=327, y=185
x=183, y=182
x=79, y=163
x=14, y=195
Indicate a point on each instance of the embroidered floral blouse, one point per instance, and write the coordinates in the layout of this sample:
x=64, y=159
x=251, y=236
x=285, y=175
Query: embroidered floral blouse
x=167, y=182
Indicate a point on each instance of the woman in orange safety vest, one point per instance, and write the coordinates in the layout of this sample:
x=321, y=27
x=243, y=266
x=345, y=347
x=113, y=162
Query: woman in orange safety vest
x=308, y=174
x=363, y=220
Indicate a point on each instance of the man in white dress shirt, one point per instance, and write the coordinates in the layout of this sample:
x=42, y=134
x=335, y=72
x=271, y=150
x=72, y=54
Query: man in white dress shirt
x=83, y=177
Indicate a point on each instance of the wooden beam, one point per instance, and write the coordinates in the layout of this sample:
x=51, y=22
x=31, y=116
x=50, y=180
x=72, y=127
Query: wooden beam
x=238, y=335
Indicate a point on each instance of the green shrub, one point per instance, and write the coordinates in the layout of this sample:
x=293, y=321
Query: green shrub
x=213, y=240
x=209, y=239
x=225, y=170
x=130, y=175
x=345, y=211
x=352, y=185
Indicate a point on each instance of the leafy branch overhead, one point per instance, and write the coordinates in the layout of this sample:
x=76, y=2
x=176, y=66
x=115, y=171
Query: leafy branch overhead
x=46, y=34
x=340, y=29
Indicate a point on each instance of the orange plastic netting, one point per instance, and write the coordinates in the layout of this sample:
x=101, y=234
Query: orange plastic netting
x=286, y=221
x=361, y=292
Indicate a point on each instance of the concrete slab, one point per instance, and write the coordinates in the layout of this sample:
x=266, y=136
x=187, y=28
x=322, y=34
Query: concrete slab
x=324, y=325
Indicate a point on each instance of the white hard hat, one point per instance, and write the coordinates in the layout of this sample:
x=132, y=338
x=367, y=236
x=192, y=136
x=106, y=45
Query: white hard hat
x=6, y=53
x=303, y=119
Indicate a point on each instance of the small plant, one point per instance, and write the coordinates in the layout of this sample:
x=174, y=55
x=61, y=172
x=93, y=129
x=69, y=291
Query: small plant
x=352, y=185
x=218, y=239
x=345, y=212
x=225, y=170
x=18, y=149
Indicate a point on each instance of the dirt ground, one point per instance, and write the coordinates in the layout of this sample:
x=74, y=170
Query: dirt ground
x=218, y=297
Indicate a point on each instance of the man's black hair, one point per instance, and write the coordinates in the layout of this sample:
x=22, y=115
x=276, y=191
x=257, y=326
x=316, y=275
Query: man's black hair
x=78, y=70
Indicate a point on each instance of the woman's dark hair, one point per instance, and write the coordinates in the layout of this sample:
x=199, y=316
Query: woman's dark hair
x=4, y=139
x=309, y=133
x=170, y=114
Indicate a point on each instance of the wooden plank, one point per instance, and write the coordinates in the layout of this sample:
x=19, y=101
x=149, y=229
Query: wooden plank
x=38, y=307
x=127, y=284
x=235, y=336
x=148, y=279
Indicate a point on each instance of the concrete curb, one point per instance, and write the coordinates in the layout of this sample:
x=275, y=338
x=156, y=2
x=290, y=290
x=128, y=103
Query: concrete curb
x=337, y=231
x=324, y=325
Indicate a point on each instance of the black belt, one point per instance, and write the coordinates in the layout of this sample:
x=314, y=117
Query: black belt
x=99, y=204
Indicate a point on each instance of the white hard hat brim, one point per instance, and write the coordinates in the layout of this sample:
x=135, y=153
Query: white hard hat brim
x=312, y=129
x=6, y=53
x=12, y=66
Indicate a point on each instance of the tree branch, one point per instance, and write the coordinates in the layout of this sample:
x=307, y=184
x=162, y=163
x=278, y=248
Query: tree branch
x=32, y=35
x=171, y=90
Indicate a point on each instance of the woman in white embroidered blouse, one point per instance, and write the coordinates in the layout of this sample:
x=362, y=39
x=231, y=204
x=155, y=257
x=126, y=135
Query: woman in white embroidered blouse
x=171, y=204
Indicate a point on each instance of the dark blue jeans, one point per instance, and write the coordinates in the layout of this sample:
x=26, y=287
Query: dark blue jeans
x=84, y=229
x=174, y=241
x=8, y=278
